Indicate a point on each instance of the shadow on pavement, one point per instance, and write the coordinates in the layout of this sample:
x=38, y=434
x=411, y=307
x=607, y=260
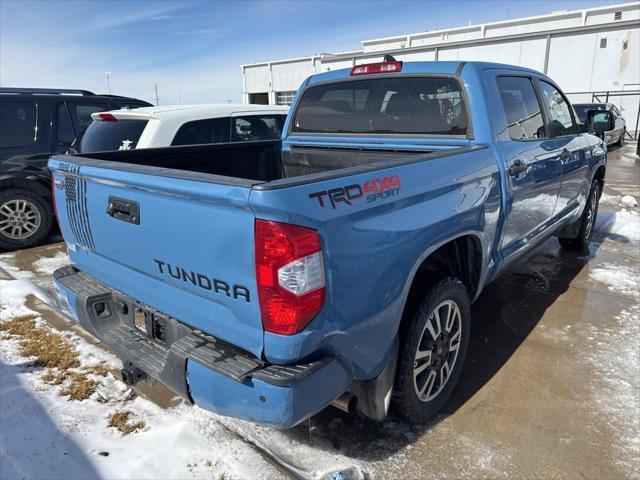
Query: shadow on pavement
x=31, y=445
x=504, y=315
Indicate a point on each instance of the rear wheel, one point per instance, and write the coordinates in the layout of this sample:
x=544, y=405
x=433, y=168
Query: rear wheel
x=620, y=142
x=25, y=219
x=433, y=347
x=587, y=222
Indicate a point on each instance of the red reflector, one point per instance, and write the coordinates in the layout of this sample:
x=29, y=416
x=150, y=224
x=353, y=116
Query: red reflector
x=279, y=245
x=107, y=117
x=370, y=68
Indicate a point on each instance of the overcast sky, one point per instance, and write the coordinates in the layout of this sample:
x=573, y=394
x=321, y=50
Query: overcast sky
x=197, y=47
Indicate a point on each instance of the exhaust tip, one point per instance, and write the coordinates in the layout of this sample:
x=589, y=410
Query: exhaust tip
x=346, y=402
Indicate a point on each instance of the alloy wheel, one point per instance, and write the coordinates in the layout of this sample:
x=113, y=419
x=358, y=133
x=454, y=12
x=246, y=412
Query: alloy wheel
x=437, y=350
x=19, y=219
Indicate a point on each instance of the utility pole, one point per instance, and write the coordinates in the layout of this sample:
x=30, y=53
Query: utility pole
x=107, y=75
x=178, y=95
x=157, y=100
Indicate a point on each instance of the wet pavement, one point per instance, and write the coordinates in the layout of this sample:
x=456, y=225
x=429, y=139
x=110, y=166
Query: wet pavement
x=551, y=384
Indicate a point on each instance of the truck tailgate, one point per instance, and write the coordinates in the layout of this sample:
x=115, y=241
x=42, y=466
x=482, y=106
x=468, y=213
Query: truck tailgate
x=183, y=247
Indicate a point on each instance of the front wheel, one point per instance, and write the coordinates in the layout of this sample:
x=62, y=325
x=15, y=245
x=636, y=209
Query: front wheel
x=25, y=219
x=620, y=142
x=433, y=347
x=587, y=222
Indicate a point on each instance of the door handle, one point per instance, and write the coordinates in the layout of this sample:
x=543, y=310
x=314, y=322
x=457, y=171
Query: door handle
x=125, y=210
x=517, y=168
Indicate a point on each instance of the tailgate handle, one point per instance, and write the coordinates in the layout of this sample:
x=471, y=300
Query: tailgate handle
x=125, y=210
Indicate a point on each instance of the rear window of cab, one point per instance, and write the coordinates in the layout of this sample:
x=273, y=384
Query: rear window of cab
x=104, y=135
x=396, y=105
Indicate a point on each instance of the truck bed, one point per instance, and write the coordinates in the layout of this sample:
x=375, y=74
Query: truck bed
x=251, y=163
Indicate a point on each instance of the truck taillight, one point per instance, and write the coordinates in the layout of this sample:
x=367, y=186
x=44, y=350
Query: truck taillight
x=290, y=275
x=371, y=68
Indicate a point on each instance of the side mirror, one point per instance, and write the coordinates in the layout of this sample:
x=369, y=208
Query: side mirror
x=600, y=121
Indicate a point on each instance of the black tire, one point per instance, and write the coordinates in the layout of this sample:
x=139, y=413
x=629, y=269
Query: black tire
x=416, y=333
x=587, y=221
x=41, y=210
x=620, y=142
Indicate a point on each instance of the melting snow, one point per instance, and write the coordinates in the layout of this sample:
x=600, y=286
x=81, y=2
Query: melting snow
x=44, y=435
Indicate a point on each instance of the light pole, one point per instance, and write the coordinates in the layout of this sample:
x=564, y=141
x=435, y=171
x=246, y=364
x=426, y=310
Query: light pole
x=107, y=75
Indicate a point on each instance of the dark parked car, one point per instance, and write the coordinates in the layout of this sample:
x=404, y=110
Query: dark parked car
x=612, y=137
x=34, y=123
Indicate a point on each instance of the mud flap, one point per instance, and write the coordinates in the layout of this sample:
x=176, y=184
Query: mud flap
x=374, y=395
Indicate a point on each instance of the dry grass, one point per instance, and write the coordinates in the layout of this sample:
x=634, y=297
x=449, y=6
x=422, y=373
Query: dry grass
x=50, y=349
x=99, y=369
x=54, y=352
x=80, y=387
x=121, y=421
x=19, y=324
x=53, y=377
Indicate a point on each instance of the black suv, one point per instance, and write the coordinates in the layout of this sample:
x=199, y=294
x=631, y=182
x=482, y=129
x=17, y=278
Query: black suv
x=34, y=123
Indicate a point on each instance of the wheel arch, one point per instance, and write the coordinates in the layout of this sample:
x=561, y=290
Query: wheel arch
x=28, y=183
x=460, y=257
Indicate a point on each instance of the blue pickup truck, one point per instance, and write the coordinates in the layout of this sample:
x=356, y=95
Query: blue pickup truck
x=268, y=280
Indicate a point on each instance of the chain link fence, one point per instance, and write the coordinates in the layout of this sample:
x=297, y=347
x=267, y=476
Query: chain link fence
x=627, y=101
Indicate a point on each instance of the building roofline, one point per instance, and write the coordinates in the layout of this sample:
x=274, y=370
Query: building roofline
x=425, y=48
x=475, y=26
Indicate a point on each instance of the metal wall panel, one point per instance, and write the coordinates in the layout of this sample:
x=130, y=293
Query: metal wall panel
x=288, y=76
x=257, y=78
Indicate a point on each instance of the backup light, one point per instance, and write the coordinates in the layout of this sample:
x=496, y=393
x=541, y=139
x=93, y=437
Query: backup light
x=290, y=275
x=371, y=68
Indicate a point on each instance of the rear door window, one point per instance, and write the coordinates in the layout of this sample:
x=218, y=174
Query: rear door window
x=103, y=135
x=521, y=108
x=395, y=105
x=249, y=128
x=18, y=121
x=210, y=130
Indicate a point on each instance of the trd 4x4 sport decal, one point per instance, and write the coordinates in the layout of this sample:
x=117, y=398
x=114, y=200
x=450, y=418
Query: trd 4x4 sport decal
x=372, y=190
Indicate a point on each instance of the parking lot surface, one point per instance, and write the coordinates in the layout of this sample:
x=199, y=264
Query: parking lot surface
x=551, y=384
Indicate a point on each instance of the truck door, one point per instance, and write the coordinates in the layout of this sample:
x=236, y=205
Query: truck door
x=532, y=162
x=571, y=148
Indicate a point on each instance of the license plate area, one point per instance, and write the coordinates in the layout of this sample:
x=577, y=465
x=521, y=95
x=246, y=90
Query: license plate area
x=151, y=323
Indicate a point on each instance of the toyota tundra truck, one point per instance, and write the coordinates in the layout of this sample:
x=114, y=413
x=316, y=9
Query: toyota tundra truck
x=267, y=280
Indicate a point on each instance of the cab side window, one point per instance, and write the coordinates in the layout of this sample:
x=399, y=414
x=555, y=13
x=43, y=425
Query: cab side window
x=561, y=121
x=521, y=108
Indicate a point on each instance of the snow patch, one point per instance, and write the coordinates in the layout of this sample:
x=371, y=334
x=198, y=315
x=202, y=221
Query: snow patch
x=624, y=224
x=44, y=435
x=615, y=386
x=47, y=265
x=629, y=201
x=618, y=278
x=13, y=294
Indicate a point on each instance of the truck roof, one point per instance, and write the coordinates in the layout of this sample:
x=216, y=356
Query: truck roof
x=437, y=67
x=190, y=112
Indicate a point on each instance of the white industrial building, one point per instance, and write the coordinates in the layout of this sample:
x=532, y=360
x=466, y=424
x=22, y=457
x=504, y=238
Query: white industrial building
x=589, y=50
